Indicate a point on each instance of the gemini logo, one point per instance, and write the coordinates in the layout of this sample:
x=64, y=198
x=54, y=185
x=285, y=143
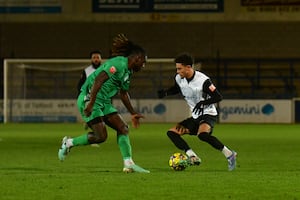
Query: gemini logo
x=267, y=109
x=160, y=109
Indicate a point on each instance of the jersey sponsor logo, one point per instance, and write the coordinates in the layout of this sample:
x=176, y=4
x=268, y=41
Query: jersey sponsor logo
x=212, y=87
x=112, y=70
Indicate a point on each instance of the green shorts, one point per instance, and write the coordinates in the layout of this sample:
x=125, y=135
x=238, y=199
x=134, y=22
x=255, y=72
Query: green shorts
x=100, y=108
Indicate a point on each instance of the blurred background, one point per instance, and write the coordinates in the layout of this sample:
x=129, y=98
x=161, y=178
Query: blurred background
x=250, y=48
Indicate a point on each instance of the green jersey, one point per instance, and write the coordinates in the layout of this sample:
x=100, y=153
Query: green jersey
x=119, y=78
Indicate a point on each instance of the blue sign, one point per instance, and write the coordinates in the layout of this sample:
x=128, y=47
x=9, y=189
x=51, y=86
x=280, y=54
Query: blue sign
x=25, y=6
x=158, y=6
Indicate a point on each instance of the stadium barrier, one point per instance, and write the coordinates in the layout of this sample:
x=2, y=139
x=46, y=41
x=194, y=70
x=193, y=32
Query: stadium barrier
x=44, y=90
x=155, y=110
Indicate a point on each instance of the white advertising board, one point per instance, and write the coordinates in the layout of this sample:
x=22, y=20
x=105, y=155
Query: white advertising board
x=154, y=110
x=62, y=110
x=256, y=111
x=41, y=110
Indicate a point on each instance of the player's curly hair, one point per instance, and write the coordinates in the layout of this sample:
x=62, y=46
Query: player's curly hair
x=122, y=46
x=185, y=59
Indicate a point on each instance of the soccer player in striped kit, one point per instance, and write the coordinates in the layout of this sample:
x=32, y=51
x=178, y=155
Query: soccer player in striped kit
x=201, y=96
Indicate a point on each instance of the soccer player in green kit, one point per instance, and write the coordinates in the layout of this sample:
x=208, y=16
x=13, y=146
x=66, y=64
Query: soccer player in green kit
x=95, y=101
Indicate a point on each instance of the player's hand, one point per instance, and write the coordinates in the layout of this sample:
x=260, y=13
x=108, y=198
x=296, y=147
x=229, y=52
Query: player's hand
x=198, y=108
x=161, y=93
x=88, y=110
x=181, y=129
x=86, y=126
x=135, y=119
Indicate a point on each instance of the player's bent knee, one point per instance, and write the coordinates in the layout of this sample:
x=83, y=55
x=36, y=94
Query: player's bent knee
x=124, y=130
x=100, y=138
x=204, y=136
x=171, y=134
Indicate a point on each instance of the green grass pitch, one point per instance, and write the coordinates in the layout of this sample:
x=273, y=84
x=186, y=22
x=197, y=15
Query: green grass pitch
x=268, y=164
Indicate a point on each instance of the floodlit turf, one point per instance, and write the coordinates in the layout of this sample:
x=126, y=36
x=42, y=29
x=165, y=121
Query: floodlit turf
x=268, y=165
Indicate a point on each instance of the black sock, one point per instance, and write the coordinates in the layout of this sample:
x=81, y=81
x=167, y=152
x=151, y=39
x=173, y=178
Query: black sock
x=178, y=141
x=213, y=141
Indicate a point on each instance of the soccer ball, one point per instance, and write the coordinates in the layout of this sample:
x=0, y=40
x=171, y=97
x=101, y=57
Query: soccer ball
x=178, y=161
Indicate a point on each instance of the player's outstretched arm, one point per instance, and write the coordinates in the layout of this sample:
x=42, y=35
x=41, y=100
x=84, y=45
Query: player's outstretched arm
x=170, y=91
x=135, y=117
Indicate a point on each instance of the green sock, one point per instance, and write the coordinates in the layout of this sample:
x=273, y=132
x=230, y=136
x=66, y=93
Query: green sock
x=81, y=140
x=124, y=145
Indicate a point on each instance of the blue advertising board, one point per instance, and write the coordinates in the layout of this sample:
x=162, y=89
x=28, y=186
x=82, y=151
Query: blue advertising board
x=158, y=6
x=34, y=6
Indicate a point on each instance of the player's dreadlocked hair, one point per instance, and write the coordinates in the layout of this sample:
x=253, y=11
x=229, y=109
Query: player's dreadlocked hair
x=122, y=46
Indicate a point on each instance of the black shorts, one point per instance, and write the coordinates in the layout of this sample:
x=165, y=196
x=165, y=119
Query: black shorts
x=193, y=124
